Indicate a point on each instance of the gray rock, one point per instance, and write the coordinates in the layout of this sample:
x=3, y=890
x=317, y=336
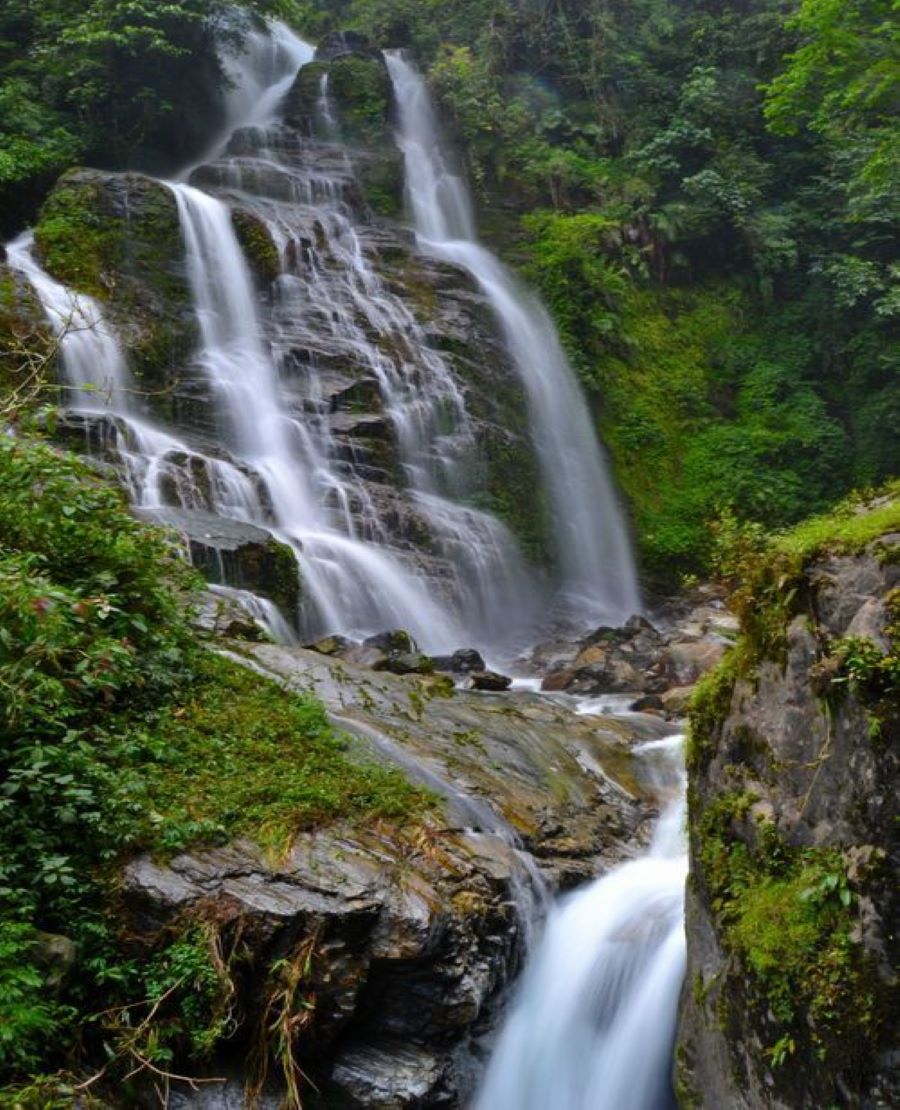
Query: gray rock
x=489, y=680
x=821, y=778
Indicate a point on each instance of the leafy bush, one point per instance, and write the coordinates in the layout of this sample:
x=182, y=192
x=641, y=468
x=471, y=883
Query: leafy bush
x=119, y=731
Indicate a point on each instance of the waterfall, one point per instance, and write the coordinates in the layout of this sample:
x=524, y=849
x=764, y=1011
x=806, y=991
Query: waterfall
x=94, y=366
x=598, y=578
x=593, y=1024
x=375, y=549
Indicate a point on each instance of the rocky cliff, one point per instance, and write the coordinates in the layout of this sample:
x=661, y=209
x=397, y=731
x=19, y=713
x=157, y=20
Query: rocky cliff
x=792, y=909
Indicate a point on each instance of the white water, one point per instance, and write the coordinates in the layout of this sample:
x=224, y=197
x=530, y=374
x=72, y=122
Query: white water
x=94, y=366
x=593, y=1025
x=283, y=459
x=598, y=579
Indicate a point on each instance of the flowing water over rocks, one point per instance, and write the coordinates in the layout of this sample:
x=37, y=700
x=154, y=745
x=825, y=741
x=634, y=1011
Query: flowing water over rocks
x=420, y=930
x=594, y=1022
x=596, y=564
x=357, y=397
x=355, y=429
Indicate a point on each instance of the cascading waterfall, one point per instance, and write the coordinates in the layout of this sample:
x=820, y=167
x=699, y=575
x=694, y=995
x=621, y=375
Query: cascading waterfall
x=593, y=1025
x=95, y=367
x=282, y=468
x=350, y=583
x=598, y=573
x=282, y=463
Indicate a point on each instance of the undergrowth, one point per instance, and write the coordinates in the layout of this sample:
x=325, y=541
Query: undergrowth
x=120, y=732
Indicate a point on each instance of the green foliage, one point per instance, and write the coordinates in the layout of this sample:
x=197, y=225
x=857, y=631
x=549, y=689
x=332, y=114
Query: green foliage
x=361, y=90
x=222, y=754
x=789, y=916
x=108, y=81
x=119, y=732
x=29, y=1018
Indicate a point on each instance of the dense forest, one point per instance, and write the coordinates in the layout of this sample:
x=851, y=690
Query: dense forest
x=705, y=193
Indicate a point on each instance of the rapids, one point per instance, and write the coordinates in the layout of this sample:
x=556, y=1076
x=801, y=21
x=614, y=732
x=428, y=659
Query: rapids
x=593, y=1023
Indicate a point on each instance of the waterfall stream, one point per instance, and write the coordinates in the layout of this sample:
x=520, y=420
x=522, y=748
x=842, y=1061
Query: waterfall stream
x=593, y=549
x=593, y=1024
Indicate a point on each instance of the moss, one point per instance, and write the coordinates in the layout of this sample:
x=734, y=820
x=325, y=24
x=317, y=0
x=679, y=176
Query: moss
x=363, y=97
x=381, y=181
x=709, y=707
x=77, y=243
x=241, y=756
x=788, y=916
x=257, y=244
x=117, y=237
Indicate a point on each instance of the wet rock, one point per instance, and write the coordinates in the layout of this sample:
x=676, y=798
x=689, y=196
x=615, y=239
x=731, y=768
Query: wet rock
x=220, y=615
x=647, y=703
x=394, y=641
x=687, y=662
x=675, y=701
x=367, y=655
x=338, y=44
x=232, y=553
x=136, y=269
x=410, y=662
x=388, y=1077
x=463, y=661
x=331, y=645
x=489, y=680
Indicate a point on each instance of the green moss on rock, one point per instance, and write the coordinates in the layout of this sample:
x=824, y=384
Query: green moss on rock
x=117, y=237
x=257, y=244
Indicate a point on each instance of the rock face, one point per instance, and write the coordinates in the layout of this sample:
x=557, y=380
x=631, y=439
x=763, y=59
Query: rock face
x=794, y=900
x=237, y=554
x=116, y=237
x=403, y=938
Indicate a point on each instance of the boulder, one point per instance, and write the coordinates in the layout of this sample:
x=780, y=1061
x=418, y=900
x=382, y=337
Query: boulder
x=675, y=701
x=117, y=237
x=410, y=662
x=489, y=680
x=393, y=641
x=232, y=553
x=331, y=645
x=684, y=663
x=649, y=703
x=463, y=661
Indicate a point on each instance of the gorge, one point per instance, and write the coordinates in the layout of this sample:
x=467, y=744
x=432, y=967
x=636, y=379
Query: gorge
x=363, y=753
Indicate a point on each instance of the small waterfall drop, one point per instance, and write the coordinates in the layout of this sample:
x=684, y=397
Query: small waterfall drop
x=94, y=366
x=593, y=1024
x=597, y=567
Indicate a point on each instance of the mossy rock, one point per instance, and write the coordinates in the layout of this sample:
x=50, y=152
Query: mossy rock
x=117, y=237
x=257, y=244
x=362, y=95
x=381, y=179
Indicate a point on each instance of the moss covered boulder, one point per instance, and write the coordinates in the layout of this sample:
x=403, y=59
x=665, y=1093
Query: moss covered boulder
x=232, y=553
x=117, y=237
x=360, y=115
x=793, y=904
x=257, y=244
